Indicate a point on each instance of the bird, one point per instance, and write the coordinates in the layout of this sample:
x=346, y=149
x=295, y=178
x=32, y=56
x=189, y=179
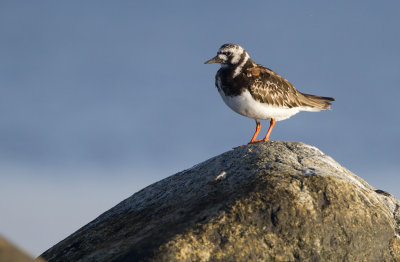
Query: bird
x=255, y=91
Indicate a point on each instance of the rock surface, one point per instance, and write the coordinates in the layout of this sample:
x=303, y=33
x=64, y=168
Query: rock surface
x=274, y=201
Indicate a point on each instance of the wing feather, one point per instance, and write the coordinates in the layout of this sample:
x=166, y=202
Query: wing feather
x=268, y=87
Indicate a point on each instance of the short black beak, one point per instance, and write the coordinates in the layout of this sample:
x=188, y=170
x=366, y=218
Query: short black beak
x=214, y=60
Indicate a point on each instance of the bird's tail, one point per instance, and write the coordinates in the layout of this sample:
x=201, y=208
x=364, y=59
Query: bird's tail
x=316, y=103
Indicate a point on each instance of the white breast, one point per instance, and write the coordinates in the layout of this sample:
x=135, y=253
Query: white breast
x=246, y=105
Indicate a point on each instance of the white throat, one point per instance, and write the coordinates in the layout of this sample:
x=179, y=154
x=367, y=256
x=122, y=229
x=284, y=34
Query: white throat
x=239, y=68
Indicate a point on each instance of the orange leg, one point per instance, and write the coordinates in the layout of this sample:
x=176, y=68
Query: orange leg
x=258, y=128
x=271, y=125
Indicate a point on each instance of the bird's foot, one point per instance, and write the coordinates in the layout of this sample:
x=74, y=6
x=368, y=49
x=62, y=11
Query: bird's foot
x=258, y=141
x=252, y=142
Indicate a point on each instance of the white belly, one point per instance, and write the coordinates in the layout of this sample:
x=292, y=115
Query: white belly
x=246, y=105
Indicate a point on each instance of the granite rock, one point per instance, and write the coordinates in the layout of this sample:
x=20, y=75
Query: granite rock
x=273, y=201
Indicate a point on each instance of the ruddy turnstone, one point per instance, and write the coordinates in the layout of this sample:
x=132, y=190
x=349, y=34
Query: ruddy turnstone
x=257, y=92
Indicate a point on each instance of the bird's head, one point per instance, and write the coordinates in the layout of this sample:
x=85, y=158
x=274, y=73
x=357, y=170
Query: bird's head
x=229, y=55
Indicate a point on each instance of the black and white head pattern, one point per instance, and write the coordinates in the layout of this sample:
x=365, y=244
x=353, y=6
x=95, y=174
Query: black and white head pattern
x=233, y=56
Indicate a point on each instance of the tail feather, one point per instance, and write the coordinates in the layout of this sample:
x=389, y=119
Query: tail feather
x=316, y=102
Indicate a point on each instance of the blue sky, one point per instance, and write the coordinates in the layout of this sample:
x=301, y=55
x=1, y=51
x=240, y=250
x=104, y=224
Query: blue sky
x=99, y=99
